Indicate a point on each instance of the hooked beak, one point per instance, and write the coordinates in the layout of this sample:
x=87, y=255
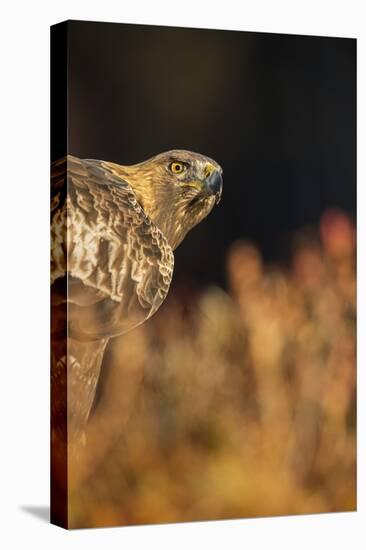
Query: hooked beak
x=213, y=184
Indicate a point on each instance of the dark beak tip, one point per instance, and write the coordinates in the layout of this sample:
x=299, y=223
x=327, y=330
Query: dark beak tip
x=214, y=185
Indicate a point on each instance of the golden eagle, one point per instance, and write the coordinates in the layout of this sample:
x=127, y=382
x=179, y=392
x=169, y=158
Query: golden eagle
x=113, y=232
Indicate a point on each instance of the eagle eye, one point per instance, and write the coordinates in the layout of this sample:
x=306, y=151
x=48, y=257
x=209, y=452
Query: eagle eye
x=177, y=167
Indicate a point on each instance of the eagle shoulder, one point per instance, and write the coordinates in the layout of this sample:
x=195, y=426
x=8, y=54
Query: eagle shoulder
x=115, y=263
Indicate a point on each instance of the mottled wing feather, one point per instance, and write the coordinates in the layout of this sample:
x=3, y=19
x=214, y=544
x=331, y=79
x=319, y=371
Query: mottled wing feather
x=117, y=264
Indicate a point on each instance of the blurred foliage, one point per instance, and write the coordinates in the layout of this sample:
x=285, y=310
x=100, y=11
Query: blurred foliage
x=232, y=405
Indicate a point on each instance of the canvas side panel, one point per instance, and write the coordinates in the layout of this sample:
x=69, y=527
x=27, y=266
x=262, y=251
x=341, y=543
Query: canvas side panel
x=59, y=478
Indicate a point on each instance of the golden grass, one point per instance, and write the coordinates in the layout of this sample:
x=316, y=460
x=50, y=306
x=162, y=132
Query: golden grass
x=232, y=405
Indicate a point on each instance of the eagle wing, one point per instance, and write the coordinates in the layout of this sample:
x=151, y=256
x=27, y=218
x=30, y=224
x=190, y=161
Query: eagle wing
x=110, y=263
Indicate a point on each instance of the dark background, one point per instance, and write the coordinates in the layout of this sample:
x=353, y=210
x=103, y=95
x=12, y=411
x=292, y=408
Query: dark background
x=276, y=111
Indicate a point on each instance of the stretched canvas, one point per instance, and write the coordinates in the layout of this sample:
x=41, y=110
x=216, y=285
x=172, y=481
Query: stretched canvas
x=203, y=314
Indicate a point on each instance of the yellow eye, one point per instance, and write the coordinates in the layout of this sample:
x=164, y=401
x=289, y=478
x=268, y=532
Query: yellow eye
x=177, y=167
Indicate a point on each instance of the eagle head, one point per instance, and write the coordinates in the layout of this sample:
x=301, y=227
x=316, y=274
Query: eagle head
x=176, y=189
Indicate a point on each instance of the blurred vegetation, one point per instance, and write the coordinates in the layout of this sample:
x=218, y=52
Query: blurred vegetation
x=232, y=405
